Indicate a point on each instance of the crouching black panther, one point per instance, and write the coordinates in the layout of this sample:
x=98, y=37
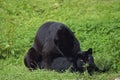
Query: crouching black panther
x=53, y=40
x=55, y=47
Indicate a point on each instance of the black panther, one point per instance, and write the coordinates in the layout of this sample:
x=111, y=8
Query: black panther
x=55, y=47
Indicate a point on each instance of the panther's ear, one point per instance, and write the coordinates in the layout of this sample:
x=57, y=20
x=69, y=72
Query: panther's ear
x=31, y=50
x=89, y=51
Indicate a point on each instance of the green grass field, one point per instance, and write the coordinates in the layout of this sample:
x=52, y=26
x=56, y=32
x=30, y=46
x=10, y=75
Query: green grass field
x=96, y=24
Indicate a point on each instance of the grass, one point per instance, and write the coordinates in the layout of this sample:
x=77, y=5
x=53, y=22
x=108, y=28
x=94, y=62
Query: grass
x=15, y=71
x=96, y=24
